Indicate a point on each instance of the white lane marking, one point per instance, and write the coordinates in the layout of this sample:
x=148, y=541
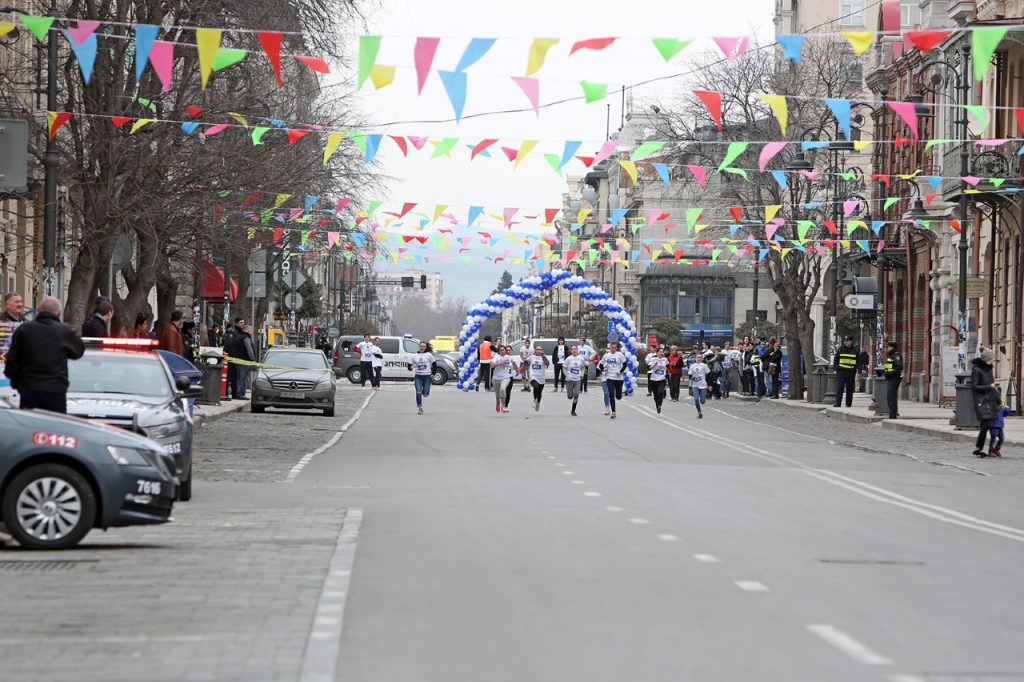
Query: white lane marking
x=932, y=511
x=321, y=657
x=848, y=645
x=706, y=558
x=551, y=456
x=308, y=457
x=905, y=678
x=111, y=639
x=752, y=586
x=639, y=521
x=591, y=493
x=559, y=464
x=579, y=482
x=614, y=509
x=668, y=537
x=569, y=473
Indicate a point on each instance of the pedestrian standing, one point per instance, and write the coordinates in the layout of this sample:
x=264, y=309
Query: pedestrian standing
x=365, y=348
x=535, y=370
x=143, y=328
x=484, y=353
x=774, y=357
x=37, y=361
x=587, y=352
x=658, y=378
x=893, y=378
x=612, y=365
x=501, y=378
x=170, y=335
x=995, y=448
x=377, y=362
x=574, y=367
x=986, y=396
x=558, y=356
x=324, y=346
x=188, y=340
x=98, y=324
x=234, y=350
x=845, y=363
x=422, y=365
x=14, y=305
x=699, y=383
x=757, y=376
x=746, y=368
x=675, y=373
x=247, y=352
x=715, y=370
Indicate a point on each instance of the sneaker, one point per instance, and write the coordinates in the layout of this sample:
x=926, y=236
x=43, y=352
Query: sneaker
x=700, y=415
x=659, y=409
x=497, y=408
x=536, y=406
x=613, y=415
x=419, y=410
x=995, y=453
x=979, y=453
x=505, y=410
x=573, y=413
x=606, y=412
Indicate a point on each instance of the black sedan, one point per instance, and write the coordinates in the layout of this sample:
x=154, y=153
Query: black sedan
x=60, y=477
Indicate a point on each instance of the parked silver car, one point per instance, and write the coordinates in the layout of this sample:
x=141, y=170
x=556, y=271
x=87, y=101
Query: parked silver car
x=294, y=378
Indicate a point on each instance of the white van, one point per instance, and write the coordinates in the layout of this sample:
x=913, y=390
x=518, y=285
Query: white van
x=397, y=351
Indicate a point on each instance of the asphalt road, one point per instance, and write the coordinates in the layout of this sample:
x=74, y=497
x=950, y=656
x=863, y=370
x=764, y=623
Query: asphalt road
x=462, y=545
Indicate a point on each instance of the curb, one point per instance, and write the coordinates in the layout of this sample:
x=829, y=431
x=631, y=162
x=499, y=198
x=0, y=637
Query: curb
x=200, y=420
x=835, y=413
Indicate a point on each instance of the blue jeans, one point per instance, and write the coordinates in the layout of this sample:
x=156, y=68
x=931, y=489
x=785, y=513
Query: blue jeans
x=422, y=388
x=700, y=396
x=769, y=384
x=604, y=387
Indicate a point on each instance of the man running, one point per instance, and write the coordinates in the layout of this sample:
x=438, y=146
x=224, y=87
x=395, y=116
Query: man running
x=699, y=383
x=378, y=363
x=422, y=365
x=365, y=348
x=575, y=368
x=587, y=352
x=658, y=377
x=535, y=368
x=612, y=365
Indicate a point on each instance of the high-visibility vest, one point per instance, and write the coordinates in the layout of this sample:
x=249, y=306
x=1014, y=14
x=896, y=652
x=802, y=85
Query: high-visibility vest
x=888, y=365
x=485, y=351
x=848, y=358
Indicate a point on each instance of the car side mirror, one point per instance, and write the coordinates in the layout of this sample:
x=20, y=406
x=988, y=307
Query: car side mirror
x=183, y=384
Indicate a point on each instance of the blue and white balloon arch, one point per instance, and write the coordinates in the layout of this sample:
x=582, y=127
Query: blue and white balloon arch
x=469, y=337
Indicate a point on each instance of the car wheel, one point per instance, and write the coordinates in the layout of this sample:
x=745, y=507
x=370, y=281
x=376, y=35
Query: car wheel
x=354, y=374
x=329, y=412
x=439, y=377
x=49, y=506
x=256, y=409
x=185, y=488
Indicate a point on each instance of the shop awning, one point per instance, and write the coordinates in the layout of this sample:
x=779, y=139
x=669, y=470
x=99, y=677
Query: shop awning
x=213, y=283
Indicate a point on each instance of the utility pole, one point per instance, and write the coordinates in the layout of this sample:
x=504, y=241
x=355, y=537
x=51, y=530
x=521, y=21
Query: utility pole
x=50, y=163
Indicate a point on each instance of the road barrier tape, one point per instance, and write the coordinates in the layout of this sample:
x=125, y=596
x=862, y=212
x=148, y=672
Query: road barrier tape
x=250, y=363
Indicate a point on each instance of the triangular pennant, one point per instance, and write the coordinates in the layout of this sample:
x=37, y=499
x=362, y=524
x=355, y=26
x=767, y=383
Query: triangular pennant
x=37, y=26
x=525, y=148
x=320, y=66
x=732, y=153
x=792, y=46
x=400, y=143
x=382, y=76
x=333, y=140
x=984, y=43
x=530, y=88
x=860, y=41
x=780, y=108
x=145, y=34
x=662, y=171
x=56, y=119
x=732, y=48
x=7, y=27
x=593, y=92
x=645, y=150
x=227, y=57
x=840, y=108
x=372, y=144
x=207, y=44
x=669, y=47
x=591, y=44
x=630, y=169
x=699, y=174
x=567, y=152
x=369, y=46
x=908, y=112
x=444, y=146
x=925, y=40
x=713, y=102
x=119, y=121
x=481, y=146
x=538, y=53
x=979, y=113
x=296, y=134
x=423, y=57
x=769, y=152
x=476, y=49
x=85, y=53
x=455, y=85
x=258, y=133
x=587, y=161
x=270, y=41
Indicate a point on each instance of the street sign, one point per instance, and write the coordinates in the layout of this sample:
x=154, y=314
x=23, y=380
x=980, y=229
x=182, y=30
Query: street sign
x=612, y=337
x=258, y=261
x=258, y=279
x=860, y=301
x=611, y=326
x=976, y=286
x=293, y=301
x=296, y=280
x=13, y=154
x=333, y=332
x=256, y=291
x=864, y=314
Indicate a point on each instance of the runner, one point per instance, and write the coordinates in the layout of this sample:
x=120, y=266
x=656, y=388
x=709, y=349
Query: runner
x=612, y=365
x=699, y=383
x=675, y=373
x=602, y=379
x=365, y=348
x=658, y=376
x=422, y=365
x=534, y=370
x=586, y=352
x=516, y=367
x=378, y=363
x=524, y=355
x=575, y=367
x=501, y=365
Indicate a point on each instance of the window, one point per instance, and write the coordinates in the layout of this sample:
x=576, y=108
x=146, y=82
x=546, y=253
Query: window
x=659, y=303
x=389, y=346
x=409, y=345
x=910, y=13
x=851, y=12
x=687, y=308
x=718, y=310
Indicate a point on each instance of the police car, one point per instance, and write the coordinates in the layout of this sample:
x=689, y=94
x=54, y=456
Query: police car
x=397, y=351
x=125, y=383
x=60, y=477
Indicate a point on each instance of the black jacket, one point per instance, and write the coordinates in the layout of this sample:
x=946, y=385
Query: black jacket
x=39, y=353
x=986, y=398
x=95, y=327
x=896, y=358
x=852, y=356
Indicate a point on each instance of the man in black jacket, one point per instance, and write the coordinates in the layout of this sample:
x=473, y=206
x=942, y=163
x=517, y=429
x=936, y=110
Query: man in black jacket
x=37, y=363
x=846, y=360
x=893, y=377
x=97, y=324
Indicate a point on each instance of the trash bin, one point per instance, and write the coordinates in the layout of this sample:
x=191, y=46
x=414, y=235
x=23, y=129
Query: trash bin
x=211, y=362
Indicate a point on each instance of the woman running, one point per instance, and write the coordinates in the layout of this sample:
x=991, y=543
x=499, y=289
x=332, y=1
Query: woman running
x=422, y=365
x=658, y=377
x=611, y=366
x=502, y=369
x=699, y=382
x=574, y=368
x=535, y=368
x=675, y=373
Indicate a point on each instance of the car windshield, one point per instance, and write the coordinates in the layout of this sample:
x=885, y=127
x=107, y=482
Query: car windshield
x=296, y=360
x=134, y=374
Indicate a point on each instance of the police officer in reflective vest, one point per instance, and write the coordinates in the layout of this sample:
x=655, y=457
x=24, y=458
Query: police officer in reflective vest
x=846, y=362
x=893, y=377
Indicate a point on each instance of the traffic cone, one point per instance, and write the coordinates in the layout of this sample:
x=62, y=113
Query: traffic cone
x=224, y=378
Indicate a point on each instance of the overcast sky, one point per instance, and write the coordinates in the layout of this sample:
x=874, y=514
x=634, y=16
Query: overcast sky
x=492, y=182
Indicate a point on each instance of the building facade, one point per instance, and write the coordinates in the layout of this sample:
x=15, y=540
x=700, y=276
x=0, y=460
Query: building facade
x=391, y=293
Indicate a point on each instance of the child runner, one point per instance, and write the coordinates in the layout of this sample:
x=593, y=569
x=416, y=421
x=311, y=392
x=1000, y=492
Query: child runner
x=535, y=367
x=611, y=366
x=422, y=365
x=587, y=353
x=675, y=373
x=699, y=382
x=658, y=376
x=575, y=367
x=501, y=365
x=524, y=355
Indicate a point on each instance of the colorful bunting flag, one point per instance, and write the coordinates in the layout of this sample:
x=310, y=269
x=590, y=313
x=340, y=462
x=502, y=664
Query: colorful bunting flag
x=860, y=41
x=530, y=88
x=85, y=53
x=423, y=57
x=270, y=41
x=538, y=53
x=713, y=102
x=161, y=56
x=481, y=146
x=984, y=43
x=630, y=169
x=591, y=44
x=791, y=47
x=207, y=44
x=455, y=85
x=732, y=48
x=56, y=119
x=380, y=75
x=670, y=47
x=333, y=140
x=320, y=66
x=780, y=108
x=645, y=150
x=476, y=49
x=593, y=92
x=925, y=40
x=525, y=148
x=769, y=152
x=37, y=26
x=369, y=46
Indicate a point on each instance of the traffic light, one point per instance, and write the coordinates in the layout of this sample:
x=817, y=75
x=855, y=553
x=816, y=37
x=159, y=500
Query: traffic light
x=423, y=281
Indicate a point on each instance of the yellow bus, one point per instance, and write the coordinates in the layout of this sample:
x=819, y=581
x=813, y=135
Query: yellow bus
x=445, y=344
